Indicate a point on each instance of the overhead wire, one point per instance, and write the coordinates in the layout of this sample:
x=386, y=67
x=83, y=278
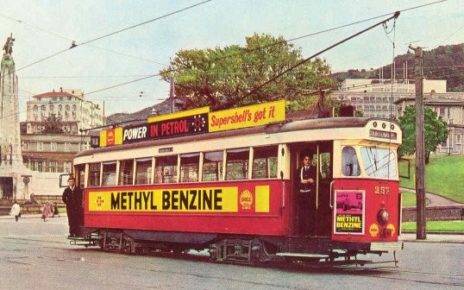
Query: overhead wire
x=276, y=43
x=74, y=44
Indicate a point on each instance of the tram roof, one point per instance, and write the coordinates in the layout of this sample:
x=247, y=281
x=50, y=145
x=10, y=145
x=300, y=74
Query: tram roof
x=287, y=126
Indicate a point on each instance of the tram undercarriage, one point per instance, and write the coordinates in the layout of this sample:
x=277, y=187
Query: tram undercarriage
x=246, y=250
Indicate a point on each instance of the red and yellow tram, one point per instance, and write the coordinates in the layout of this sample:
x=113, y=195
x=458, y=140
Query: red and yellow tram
x=227, y=181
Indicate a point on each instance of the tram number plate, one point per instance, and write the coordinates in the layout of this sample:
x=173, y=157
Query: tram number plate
x=381, y=190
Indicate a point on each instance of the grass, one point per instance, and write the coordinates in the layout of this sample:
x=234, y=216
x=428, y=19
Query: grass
x=443, y=176
x=408, y=199
x=436, y=226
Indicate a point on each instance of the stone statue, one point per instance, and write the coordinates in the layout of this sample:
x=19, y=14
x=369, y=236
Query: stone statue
x=8, y=47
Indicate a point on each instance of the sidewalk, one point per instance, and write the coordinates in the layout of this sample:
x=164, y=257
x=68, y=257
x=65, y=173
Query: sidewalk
x=434, y=238
x=435, y=199
x=27, y=216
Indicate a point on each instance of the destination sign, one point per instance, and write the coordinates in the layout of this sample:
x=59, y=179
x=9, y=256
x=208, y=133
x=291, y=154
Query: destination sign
x=382, y=134
x=207, y=199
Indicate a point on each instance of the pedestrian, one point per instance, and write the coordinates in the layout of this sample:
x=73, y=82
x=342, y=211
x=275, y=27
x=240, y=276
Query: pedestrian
x=55, y=210
x=47, y=211
x=72, y=197
x=306, y=175
x=15, y=210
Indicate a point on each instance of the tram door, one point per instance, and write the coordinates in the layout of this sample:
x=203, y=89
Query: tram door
x=312, y=162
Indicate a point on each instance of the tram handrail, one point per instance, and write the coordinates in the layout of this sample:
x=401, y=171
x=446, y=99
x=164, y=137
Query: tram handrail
x=330, y=194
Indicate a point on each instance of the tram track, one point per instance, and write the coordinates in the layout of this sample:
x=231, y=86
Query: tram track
x=387, y=273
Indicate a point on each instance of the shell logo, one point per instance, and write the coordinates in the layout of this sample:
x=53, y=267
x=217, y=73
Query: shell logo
x=391, y=229
x=374, y=230
x=246, y=199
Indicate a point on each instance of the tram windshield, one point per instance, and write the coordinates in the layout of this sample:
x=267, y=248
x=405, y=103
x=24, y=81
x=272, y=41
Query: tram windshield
x=379, y=162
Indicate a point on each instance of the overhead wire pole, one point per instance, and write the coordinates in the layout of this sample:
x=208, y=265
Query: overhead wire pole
x=256, y=89
x=420, y=144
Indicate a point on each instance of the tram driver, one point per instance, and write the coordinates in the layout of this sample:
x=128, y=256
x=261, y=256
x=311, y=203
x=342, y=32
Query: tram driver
x=306, y=195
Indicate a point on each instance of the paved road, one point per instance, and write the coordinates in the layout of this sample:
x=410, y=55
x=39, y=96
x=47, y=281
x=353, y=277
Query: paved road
x=35, y=255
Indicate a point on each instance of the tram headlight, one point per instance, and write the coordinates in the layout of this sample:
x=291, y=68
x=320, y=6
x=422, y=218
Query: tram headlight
x=383, y=216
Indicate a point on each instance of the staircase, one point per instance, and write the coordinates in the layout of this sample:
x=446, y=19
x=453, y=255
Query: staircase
x=27, y=207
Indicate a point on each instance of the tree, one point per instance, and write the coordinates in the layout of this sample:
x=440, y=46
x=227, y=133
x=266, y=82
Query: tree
x=435, y=131
x=224, y=77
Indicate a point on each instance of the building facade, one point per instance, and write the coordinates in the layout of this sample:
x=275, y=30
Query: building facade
x=450, y=107
x=67, y=106
x=52, y=152
x=52, y=133
x=377, y=97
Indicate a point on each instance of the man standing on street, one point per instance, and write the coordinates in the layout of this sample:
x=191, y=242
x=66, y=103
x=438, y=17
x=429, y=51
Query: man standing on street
x=72, y=197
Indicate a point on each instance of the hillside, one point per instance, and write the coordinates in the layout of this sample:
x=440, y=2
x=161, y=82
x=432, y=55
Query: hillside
x=443, y=62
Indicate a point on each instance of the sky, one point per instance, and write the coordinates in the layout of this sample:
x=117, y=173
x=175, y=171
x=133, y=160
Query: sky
x=42, y=28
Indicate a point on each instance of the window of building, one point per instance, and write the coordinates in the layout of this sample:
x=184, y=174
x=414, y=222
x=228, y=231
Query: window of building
x=52, y=107
x=94, y=174
x=109, y=174
x=189, y=164
x=53, y=146
x=39, y=146
x=212, y=166
x=39, y=166
x=52, y=166
x=166, y=169
x=36, y=108
x=74, y=107
x=265, y=162
x=350, y=164
x=59, y=166
x=237, y=164
x=43, y=108
x=60, y=107
x=143, y=171
x=126, y=171
x=442, y=111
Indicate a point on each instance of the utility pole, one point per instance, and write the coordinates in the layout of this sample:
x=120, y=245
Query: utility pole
x=420, y=144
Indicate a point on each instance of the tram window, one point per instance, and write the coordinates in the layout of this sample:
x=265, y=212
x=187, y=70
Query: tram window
x=143, y=171
x=109, y=174
x=166, y=169
x=94, y=174
x=126, y=171
x=80, y=175
x=237, y=164
x=379, y=162
x=189, y=164
x=265, y=162
x=350, y=164
x=212, y=166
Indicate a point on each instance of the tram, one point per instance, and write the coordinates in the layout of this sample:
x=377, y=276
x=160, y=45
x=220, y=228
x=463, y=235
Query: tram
x=228, y=181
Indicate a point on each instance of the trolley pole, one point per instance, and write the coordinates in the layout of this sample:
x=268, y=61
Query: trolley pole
x=420, y=144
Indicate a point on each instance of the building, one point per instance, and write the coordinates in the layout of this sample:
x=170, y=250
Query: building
x=52, y=152
x=68, y=106
x=377, y=97
x=450, y=107
x=52, y=135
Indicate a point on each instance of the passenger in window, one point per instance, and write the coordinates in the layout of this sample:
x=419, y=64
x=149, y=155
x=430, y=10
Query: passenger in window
x=306, y=197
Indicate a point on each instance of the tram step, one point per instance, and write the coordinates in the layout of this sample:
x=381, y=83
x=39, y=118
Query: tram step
x=302, y=255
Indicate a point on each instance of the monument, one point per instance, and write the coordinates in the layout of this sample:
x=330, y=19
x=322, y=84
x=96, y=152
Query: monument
x=14, y=176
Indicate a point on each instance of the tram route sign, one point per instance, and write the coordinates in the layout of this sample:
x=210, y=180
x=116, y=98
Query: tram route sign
x=349, y=212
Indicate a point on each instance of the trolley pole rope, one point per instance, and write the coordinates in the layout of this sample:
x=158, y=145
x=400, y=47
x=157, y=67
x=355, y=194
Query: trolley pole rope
x=394, y=16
